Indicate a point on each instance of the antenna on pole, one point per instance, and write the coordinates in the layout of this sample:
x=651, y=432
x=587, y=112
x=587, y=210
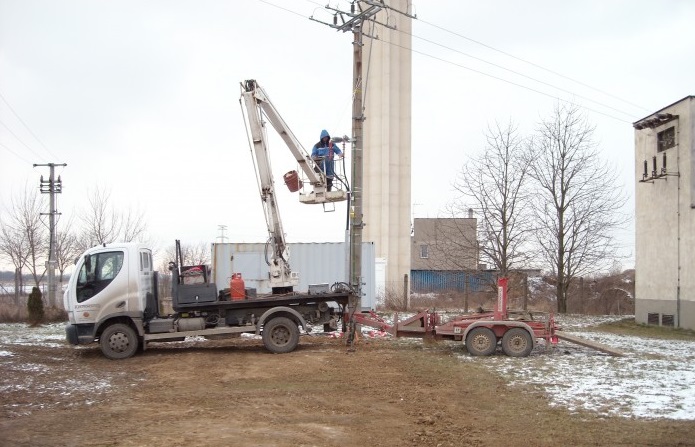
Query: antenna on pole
x=353, y=21
x=222, y=238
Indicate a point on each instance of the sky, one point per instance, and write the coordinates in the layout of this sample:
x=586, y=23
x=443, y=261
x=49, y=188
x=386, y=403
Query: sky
x=141, y=99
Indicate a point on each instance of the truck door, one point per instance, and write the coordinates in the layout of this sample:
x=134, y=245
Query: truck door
x=100, y=286
x=97, y=272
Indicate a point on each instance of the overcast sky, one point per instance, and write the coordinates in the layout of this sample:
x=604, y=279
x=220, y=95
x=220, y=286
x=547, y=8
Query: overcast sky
x=141, y=98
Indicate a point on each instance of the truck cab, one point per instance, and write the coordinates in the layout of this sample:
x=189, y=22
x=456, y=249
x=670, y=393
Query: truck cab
x=110, y=281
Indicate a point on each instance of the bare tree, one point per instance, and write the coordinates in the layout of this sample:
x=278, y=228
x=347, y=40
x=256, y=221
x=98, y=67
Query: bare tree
x=494, y=183
x=13, y=247
x=578, y=203
x=102, y=224
x=67, y=250
x=198, y=254
x=25, y=217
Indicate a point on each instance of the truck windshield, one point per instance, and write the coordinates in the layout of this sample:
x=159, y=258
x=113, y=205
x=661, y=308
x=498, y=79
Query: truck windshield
x=98, y=273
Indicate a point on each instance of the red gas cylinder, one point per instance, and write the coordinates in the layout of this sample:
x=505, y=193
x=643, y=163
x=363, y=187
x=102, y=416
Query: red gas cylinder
x=237, y=289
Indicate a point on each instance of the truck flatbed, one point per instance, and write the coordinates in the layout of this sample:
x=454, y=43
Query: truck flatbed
x=265, y=301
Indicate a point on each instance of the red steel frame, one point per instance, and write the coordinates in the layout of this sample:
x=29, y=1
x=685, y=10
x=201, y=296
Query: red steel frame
x=428, y=324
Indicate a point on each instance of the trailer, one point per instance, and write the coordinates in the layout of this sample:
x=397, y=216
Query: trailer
x=481, y=332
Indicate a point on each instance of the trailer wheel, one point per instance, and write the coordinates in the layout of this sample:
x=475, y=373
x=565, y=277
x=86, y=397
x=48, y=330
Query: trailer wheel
x=481, y=341
x=119, y=341
x=517, y=342
x=280, y=335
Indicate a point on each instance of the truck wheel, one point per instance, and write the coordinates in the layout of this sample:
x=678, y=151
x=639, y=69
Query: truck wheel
x=119, y=341
x=517, y=342
x=481, y=341
x=280, y=335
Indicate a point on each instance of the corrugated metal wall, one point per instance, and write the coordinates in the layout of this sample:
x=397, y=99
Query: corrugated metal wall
x=316, y=263
x=428, y=281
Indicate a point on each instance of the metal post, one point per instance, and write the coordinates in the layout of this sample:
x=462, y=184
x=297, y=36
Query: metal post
x=525, y=291
x=52, y=245
x=406, y=300
x=51, y=187
x=466, y=290
x=17, y=285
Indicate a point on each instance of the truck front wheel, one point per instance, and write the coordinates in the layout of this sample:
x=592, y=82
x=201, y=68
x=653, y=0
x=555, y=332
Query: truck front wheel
x=280, y=335
x=119, y=341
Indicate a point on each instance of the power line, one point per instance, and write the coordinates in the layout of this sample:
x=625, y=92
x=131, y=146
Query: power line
x=513, y=71
x=505, y=80
x=25, y=125
x=15, y=154
x=20, y=140
x=534, y=64
x=283, y=8
x=519, y=74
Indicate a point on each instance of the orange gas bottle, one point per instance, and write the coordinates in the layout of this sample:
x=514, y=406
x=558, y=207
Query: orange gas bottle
x=237, y=289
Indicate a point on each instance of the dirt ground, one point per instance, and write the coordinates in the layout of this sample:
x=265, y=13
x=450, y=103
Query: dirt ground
x=233, y=392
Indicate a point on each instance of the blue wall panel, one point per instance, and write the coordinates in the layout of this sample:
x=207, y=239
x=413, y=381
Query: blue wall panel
x=428, y=281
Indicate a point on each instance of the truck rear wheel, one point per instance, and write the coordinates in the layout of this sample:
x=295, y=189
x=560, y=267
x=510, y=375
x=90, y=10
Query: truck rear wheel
x=517, y=342
x=280, y=335
x=119, y=341
x=481, y=341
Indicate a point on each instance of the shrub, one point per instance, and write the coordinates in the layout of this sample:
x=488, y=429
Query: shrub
x=35, y=307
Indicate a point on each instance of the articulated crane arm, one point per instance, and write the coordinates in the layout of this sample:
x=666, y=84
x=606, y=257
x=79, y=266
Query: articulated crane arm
x=282, y=280
x=257, y=102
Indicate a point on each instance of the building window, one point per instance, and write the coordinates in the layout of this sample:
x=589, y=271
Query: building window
x=667, y=320
x=666, y=139
x=424, y=252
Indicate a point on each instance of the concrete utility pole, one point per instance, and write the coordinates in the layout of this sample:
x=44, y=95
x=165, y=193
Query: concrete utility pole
x=353, y=21
x=51, y=187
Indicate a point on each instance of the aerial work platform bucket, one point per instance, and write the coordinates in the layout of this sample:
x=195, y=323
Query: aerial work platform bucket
x=292, y=181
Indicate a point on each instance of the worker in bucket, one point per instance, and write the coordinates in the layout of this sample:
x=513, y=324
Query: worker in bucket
x=323, y=154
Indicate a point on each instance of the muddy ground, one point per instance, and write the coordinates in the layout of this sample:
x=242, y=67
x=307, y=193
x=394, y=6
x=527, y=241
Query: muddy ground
x=233, y=392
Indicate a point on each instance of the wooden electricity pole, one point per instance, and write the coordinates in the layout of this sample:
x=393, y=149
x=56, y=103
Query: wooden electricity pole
x=353, y=21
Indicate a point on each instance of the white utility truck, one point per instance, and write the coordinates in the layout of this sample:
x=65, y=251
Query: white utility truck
x=112, y=294
x=112, y=299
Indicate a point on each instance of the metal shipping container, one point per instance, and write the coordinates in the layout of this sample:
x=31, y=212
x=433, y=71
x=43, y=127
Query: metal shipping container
x=316, y=263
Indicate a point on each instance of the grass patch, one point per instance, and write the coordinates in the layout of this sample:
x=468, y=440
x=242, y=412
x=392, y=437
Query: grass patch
x=9, y=313
x=628, y=326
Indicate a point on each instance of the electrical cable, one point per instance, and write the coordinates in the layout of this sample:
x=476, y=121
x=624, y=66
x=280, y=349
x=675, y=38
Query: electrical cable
x=16, y=154
x=507, y=81
x=26, y=126
x=518, y=73
x=533, y=64
x=20, y=140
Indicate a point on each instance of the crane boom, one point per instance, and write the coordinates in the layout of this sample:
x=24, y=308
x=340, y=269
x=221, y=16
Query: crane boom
x=257, y=102
x=282, y=279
